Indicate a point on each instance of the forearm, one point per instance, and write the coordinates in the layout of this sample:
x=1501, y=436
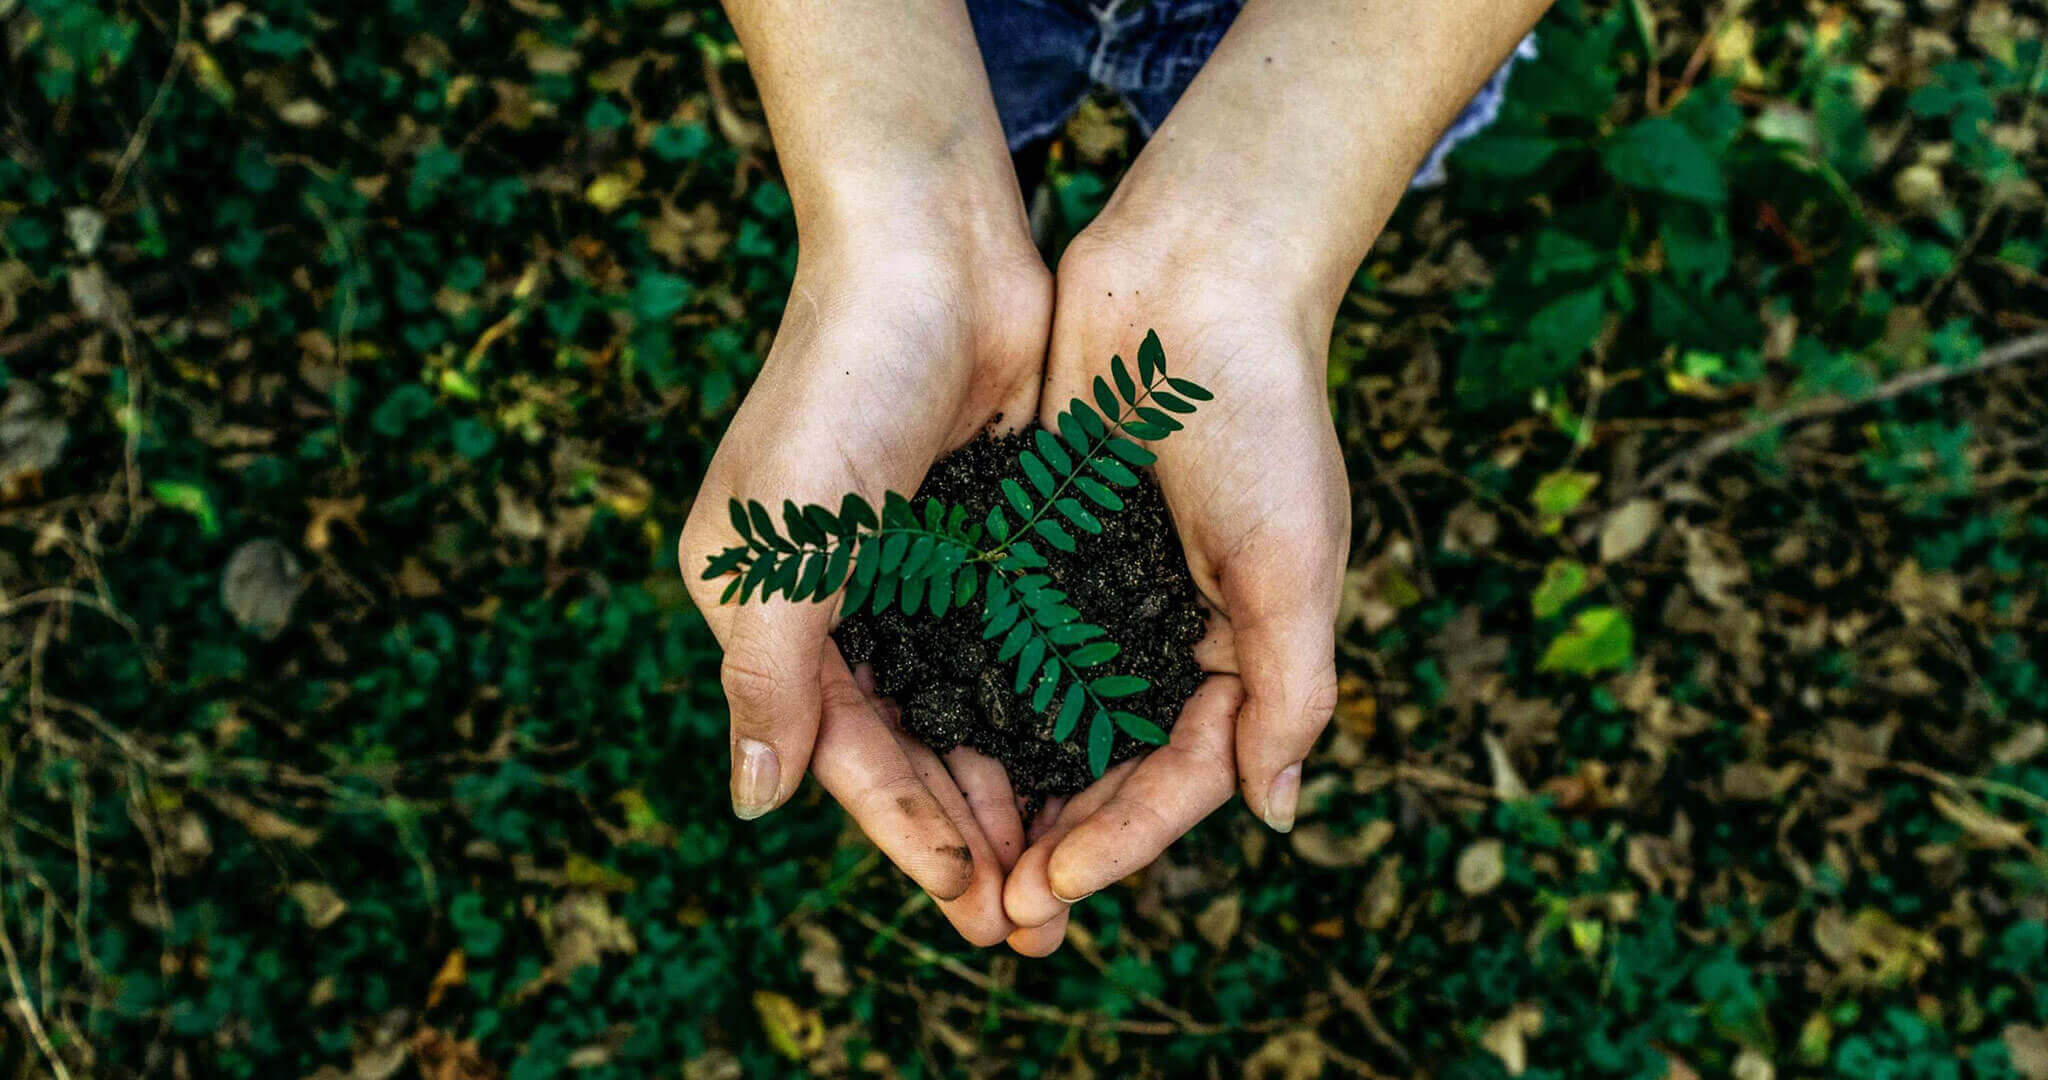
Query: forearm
x=882, y=118
x=1291, y=148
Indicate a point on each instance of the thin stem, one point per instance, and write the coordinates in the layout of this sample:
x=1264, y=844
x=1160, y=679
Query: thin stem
x=1051, y=646
x=760, y=548
x=1109, y=432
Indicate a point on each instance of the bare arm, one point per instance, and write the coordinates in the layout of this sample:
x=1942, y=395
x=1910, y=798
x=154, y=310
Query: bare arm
x=1301, y=133
x=916, y=281
x=882, y=119
x=1234, y=235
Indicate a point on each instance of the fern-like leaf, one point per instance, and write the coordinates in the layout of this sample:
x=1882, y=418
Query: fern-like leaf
x=930, y=557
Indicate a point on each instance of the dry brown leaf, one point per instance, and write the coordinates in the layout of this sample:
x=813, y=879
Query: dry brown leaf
x=1325, y=845
x=822, y=960
x=1482, y=867
x=319, y=900
x=1985, y=828
x=1628, y=528
x=454, y=972
x=1382, y=899
x=2028, y=1048
x=1294, y=1055
x=1218, y=922
x=1508, y=1037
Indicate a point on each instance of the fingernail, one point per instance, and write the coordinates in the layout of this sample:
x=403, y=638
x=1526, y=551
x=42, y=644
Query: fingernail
x=1283, y=797
x=1075, y=900
x=756, y=778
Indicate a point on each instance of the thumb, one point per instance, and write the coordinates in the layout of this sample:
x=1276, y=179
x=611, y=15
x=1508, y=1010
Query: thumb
x=773, y=653
x=1288, y=662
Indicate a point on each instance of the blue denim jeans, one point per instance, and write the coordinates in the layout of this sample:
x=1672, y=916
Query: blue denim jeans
x=1045, y=57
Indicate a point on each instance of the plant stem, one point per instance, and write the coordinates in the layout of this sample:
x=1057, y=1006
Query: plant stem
x=1109, y=432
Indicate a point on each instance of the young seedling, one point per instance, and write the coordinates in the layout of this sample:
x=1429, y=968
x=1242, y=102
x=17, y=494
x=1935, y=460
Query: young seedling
x=930, y=556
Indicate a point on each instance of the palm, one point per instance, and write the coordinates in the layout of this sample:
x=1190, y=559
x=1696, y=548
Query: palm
x=1257, y=490
x=872, y=378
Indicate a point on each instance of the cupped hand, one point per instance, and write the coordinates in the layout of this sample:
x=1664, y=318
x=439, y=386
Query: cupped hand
x=1257, y=490
x=886, y=359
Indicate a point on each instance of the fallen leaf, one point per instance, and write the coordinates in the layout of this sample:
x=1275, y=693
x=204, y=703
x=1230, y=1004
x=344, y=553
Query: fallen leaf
x=319, y=900
x=454, y=973
x=262, y=581
x=1507, y=783
x=822, y=960
x=1508, y=1037
x=1382, y=899
x=1482, y=867
x=1751, y=1065
x=794, y=1031
x=1294, y=1055
x=1628, y=528
x=1218, y=922
x=221, y=21
x=2028, y=1048
x=32, y=436
x=1714, y=566
x=1985, y=828
x=303, y=113
x=1325, y=845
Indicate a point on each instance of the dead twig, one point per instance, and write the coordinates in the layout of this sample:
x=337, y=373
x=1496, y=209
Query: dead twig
x=136, y=142
x=1047, y=1014
x=2031, y=347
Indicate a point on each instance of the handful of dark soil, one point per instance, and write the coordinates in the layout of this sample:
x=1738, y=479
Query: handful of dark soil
x=1132, y=580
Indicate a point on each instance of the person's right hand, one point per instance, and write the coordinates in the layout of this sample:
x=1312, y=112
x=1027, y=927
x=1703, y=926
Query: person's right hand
x=895, y=348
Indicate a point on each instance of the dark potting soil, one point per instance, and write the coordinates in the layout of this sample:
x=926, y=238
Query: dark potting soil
x=1131, y=579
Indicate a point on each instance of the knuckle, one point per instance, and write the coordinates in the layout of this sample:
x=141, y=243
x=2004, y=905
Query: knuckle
x=841, y=695
x=1216, y=768
x=751, y=681
x=1321, y=699
x=904, y=792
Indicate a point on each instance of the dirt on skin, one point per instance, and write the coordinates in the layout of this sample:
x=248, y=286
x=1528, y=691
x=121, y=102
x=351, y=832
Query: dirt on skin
x=1132, y=580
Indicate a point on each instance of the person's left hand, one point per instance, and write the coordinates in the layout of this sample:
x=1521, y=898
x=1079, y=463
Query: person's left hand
x=1257, y=490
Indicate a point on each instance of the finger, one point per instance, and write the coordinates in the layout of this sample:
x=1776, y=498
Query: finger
x=1288, y=660
x=1028, y=896
x=771, y=675
x=1216, y=653
x=1036, y=941
x=860, y=763
x=1045, y=939
x=978, y=912
x=1048, y=817
x=986, y=786
x=1173, y=789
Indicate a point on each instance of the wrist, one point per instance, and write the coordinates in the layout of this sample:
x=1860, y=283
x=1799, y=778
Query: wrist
x=965, y=201
x=1190, y=253
x=1236, y=237
x=979, y=293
